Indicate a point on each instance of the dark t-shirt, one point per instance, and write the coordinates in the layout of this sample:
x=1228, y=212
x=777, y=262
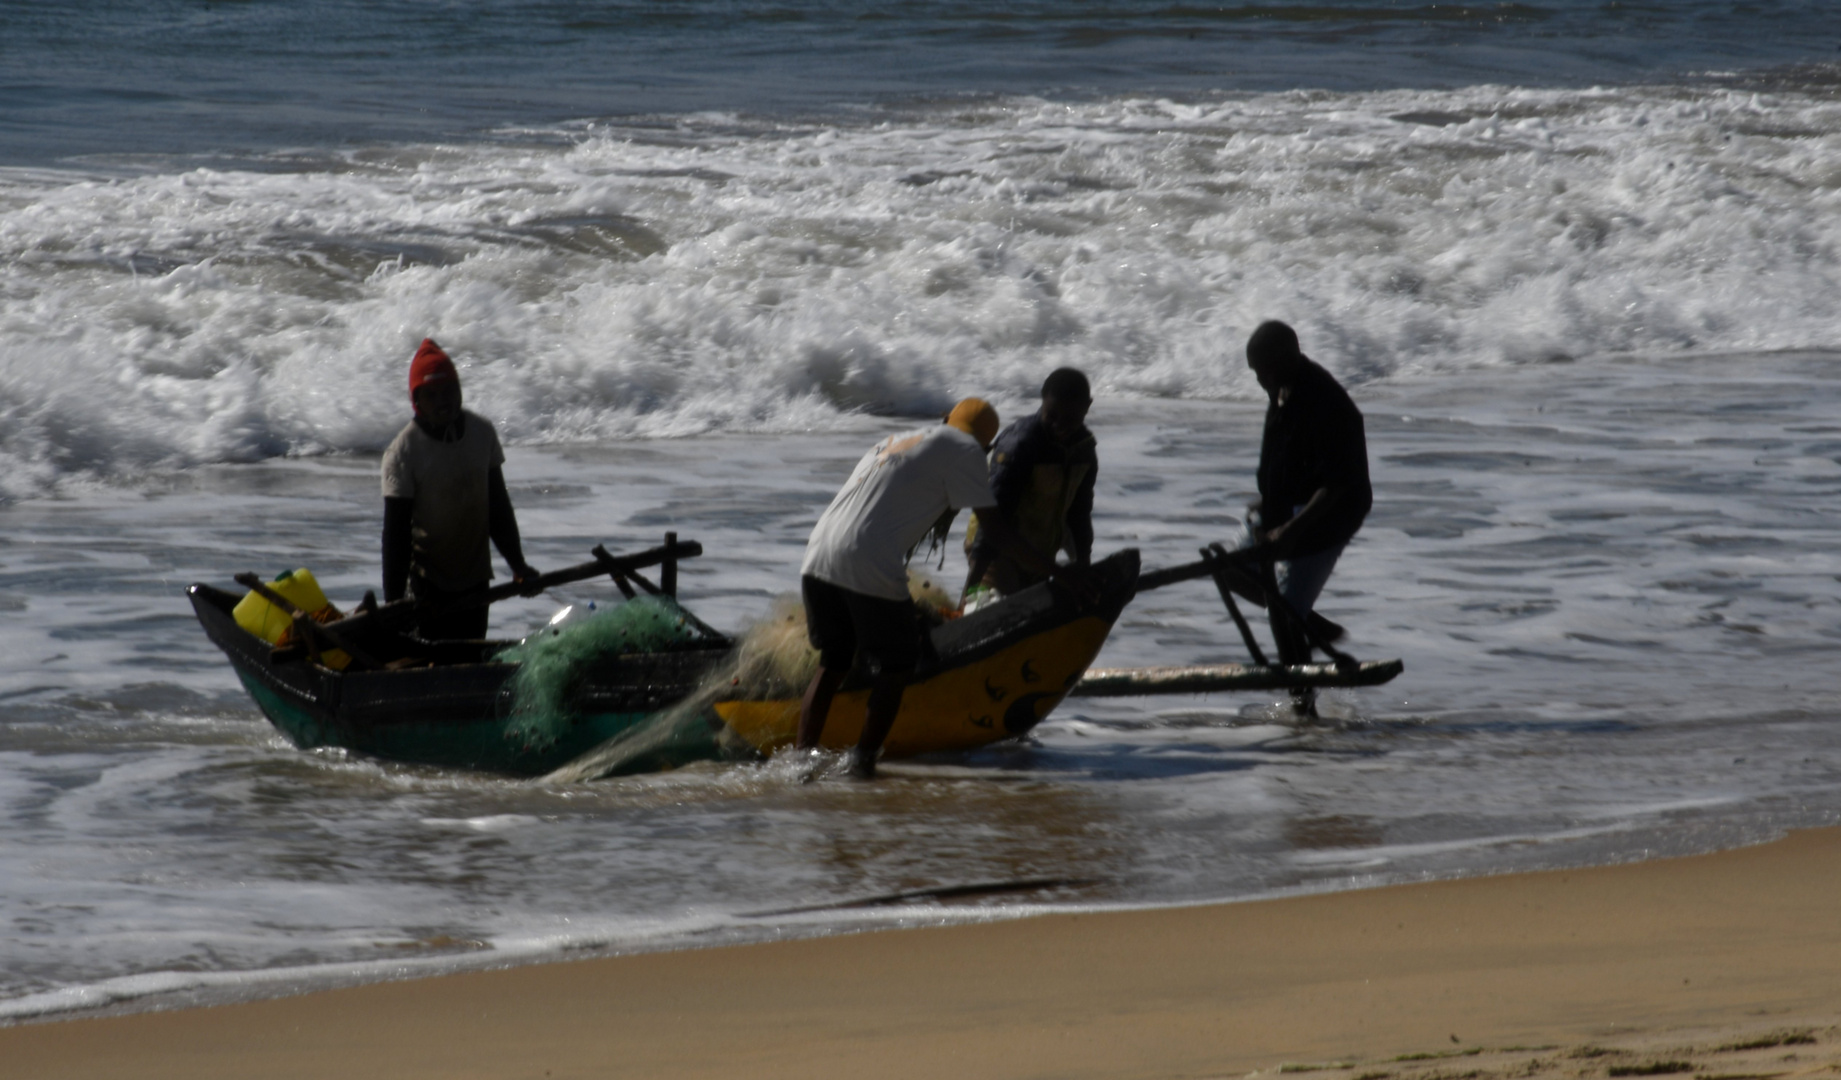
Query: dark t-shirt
x=1045, y=489
x=1315, y=440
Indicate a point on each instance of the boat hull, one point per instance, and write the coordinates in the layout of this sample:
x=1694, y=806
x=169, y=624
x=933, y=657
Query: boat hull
x=454, y=715
x=991, y=675
x=995, y=674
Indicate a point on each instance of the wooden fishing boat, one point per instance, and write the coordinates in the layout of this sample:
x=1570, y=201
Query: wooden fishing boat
x=456, y=711
x=447, y=703
x=991, y=675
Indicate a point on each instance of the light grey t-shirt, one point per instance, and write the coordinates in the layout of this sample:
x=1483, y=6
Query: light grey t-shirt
x=448, y=481
x=898, y=490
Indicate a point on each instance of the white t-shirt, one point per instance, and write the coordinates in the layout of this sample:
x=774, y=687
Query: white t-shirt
x=448, y=481
x=897, y=492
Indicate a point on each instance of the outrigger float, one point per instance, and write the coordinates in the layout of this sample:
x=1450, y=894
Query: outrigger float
x=365, y=683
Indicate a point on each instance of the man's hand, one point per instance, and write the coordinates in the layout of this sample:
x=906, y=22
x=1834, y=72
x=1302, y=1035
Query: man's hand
x=1280, y=543
x=1008, y=541
x=1273, y=543
x=525, y=578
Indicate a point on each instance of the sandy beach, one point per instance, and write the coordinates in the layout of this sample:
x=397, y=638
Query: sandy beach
x=1721, y=966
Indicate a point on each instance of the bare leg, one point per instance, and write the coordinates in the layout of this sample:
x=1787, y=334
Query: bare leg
x=816, y=706
x=884, y=703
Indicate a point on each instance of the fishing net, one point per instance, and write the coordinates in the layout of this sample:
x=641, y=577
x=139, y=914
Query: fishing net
x=553, y=661
x=774, y=658
x=650, y=744
x=771, y=661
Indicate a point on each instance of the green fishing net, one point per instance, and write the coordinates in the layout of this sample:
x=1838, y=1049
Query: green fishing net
x=774, y=657
x=772, y=660
x=553, y=661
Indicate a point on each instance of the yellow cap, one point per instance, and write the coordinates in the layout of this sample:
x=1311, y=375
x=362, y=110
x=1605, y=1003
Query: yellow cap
x=977, y=418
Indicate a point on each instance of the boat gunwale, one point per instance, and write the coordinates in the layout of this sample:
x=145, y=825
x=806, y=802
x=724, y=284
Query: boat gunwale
x=367, y=699
x=1041, y=609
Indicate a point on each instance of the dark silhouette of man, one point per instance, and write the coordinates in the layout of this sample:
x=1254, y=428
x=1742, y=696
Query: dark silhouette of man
x=1043, y=469
x=1314, y=491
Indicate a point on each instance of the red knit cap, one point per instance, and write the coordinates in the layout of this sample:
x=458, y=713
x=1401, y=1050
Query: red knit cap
x=430, y=365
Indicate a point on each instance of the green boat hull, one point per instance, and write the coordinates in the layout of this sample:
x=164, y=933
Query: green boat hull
x=451, y=714
x=484, y=743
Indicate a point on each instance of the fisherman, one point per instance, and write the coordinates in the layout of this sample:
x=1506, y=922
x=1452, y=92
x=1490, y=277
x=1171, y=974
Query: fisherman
x=444, y=496
x=1313, y=480
x=1043, y=469
x=857, y=604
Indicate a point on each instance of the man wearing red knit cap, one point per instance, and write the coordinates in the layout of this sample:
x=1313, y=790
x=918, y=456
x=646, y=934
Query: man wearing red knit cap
x=444, y=498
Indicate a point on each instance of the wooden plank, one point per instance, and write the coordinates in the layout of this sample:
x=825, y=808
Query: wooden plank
x=1213, y=678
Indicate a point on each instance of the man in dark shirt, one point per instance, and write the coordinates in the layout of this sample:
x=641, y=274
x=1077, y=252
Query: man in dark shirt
x=1042, y=474
x=1313, y=475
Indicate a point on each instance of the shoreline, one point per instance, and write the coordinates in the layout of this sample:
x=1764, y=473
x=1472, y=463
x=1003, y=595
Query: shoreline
x=1670, y=950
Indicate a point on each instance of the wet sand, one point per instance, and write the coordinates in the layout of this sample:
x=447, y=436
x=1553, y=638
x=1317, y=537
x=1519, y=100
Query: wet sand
x=1723, y=966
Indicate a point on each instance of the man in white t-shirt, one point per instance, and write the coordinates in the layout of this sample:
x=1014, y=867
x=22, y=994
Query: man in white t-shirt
x=855, y=576
x=444, y=497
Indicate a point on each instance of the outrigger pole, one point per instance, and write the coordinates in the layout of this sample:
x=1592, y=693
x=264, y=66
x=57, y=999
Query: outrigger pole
x=1242, y=574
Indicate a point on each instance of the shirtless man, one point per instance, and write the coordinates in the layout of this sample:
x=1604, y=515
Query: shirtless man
x=444, y=496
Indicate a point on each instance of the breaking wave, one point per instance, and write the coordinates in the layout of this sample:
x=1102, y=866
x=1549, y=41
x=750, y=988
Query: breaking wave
x=710, y=272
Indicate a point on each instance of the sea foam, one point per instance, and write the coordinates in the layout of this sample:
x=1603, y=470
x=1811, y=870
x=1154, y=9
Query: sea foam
x=715, y=272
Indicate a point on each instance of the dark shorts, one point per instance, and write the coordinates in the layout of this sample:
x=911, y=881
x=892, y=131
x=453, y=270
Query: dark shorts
x=845, y=625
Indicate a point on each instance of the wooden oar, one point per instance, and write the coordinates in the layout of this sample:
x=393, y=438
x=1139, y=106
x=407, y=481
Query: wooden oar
x=612, y=565
x=399, y=613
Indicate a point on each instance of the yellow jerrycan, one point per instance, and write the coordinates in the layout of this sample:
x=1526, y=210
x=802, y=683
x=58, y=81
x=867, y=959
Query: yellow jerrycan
x=274, y=625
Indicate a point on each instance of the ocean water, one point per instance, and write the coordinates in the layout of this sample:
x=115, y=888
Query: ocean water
x=1576, y=262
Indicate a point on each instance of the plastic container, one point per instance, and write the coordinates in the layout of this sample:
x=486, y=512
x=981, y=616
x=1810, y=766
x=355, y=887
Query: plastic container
x=274, y=625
